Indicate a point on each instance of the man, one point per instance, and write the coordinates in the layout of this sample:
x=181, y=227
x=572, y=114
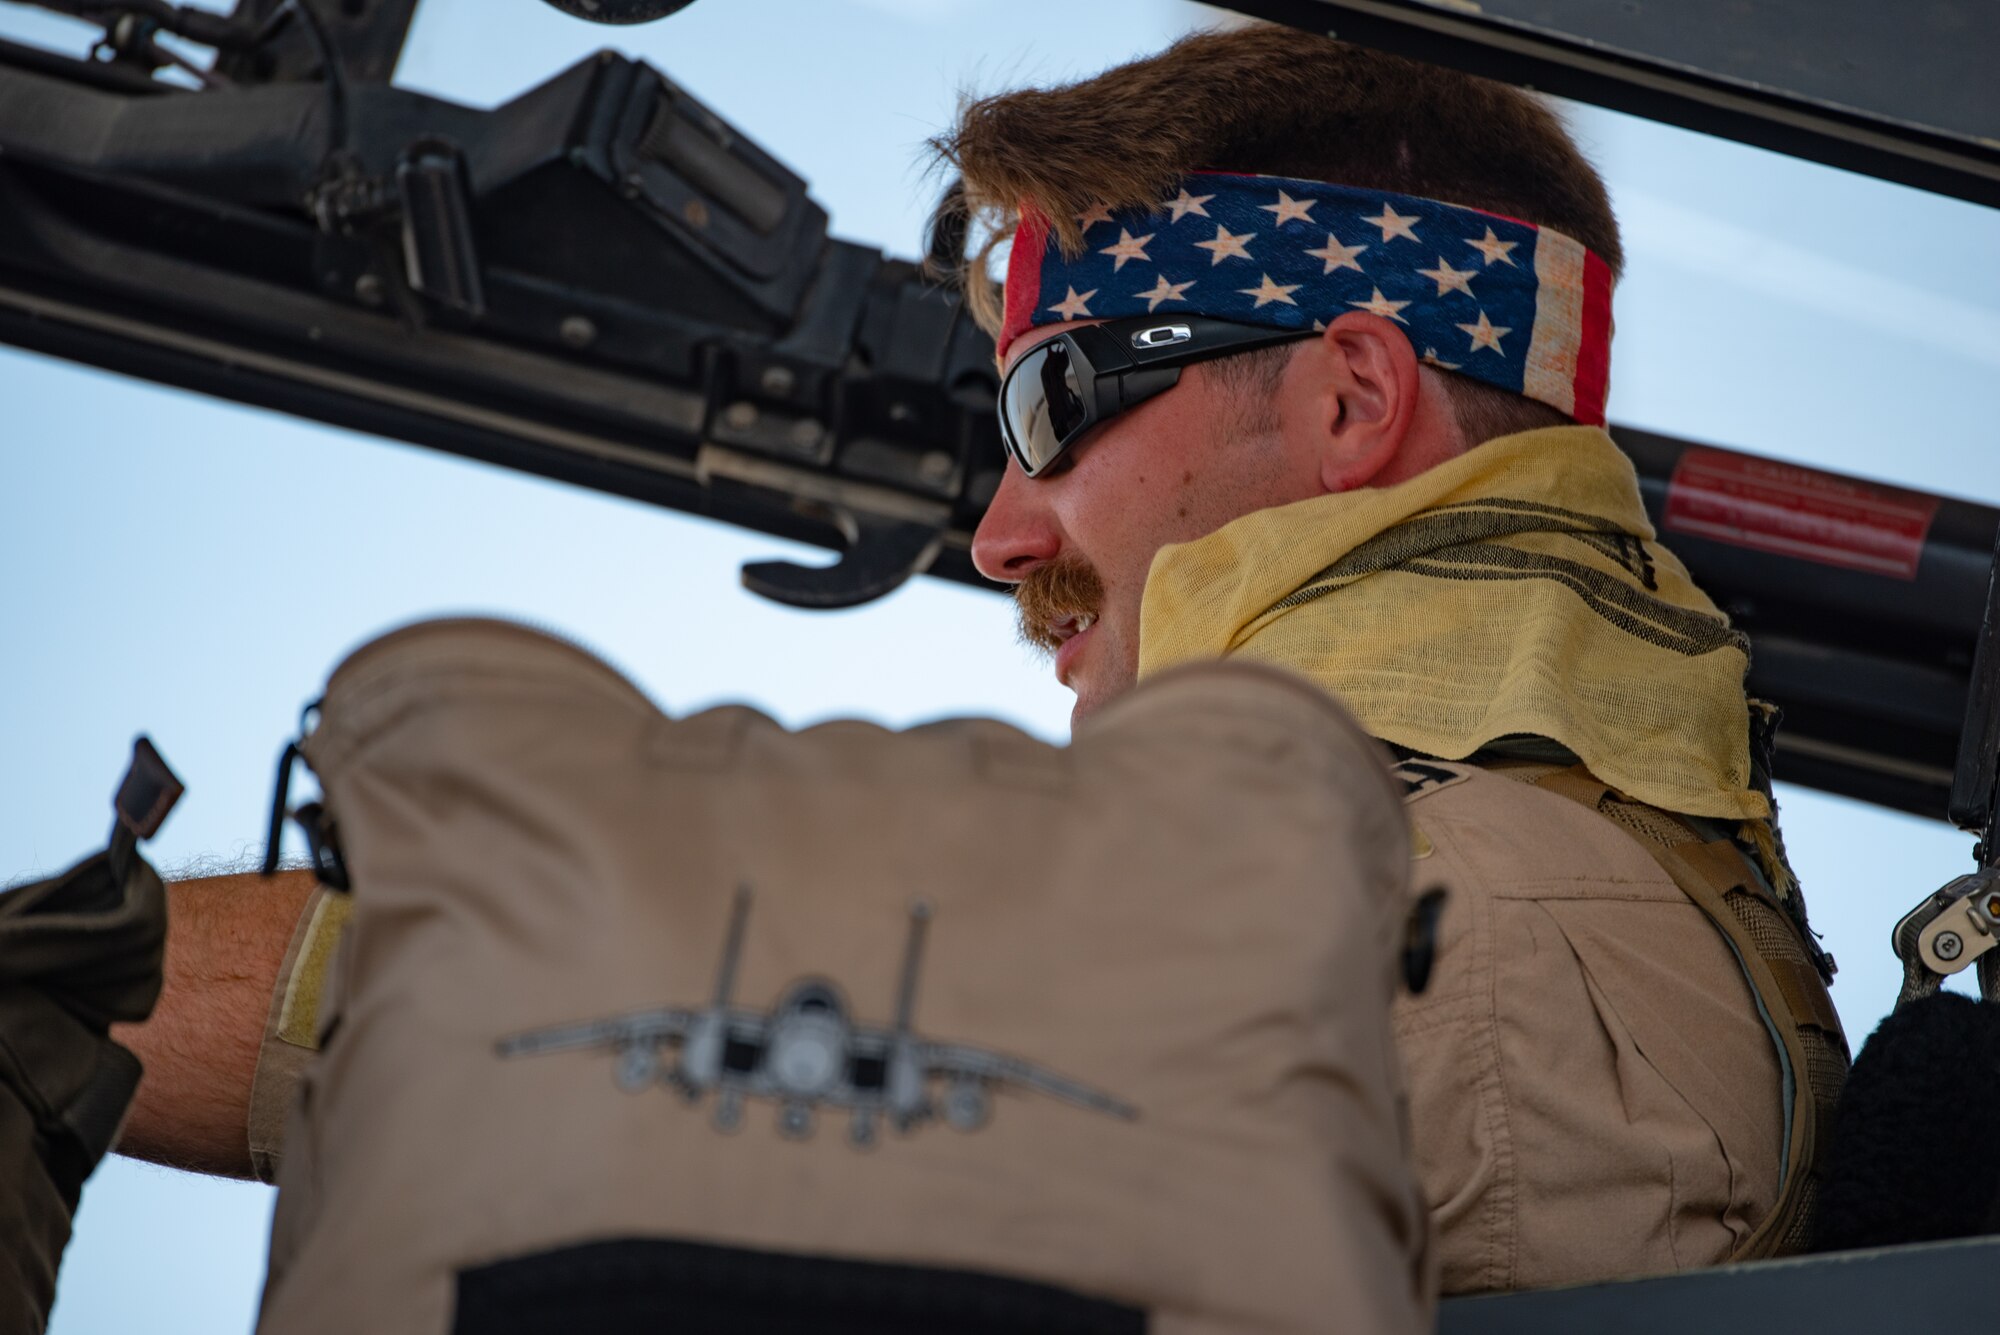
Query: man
x=1593, y=1089
x=1426, y=260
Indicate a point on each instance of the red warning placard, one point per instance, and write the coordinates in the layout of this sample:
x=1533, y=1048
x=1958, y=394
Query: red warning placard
x=1794, y=511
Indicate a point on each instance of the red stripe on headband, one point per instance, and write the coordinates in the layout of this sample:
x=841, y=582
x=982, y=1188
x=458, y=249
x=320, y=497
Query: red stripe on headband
x=1024, y=277
x=1593, y=354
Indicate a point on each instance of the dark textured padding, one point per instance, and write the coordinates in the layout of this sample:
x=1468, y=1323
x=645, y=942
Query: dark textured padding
x=1913, y=1154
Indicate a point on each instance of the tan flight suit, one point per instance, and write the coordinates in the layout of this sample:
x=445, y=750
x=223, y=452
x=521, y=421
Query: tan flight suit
x=1593, y=1091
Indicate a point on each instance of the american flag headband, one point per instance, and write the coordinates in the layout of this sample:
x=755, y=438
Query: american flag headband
x=1518, y=306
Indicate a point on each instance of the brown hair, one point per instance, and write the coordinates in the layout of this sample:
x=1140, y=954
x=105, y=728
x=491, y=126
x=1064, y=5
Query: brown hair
x=1281, y=102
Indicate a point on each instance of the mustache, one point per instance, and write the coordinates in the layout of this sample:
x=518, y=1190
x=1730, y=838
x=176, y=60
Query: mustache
x=1063, y=588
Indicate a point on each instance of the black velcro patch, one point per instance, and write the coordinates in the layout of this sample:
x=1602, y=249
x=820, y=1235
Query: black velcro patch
x=639, y=1286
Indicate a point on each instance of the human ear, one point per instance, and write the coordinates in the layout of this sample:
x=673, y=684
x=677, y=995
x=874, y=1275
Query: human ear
x=1366, y=381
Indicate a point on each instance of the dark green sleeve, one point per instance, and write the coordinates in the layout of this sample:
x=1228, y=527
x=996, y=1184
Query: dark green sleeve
x=63, y=1090
x=77, y=952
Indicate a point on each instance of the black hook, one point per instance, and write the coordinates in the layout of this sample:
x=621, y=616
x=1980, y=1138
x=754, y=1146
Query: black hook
x=881, y=555
x=281, y=792
x=322, y=835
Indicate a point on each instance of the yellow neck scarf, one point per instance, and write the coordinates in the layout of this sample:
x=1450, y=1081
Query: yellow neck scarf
x=1515, y=590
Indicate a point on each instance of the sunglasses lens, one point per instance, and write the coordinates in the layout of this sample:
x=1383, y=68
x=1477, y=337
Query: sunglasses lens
x=1043, y=406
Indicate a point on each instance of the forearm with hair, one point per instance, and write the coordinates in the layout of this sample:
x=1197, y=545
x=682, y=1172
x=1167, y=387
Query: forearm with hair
x=226, y=940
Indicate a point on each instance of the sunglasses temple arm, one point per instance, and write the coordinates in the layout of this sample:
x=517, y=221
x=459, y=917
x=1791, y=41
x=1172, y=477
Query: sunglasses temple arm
x=1136, y=386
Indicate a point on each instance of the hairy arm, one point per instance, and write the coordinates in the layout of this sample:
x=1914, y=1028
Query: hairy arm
x=226, y=938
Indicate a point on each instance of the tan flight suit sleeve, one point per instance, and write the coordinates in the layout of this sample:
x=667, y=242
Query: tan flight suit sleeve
x=1593, y=1091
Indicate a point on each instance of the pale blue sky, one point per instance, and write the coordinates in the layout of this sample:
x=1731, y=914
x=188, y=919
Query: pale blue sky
x=193, y=569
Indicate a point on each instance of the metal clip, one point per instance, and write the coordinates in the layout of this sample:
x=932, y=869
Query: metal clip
x=1948, y=932
x=322, y=835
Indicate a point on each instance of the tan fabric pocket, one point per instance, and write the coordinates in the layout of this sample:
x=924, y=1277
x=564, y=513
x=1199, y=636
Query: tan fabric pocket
x=1657, y=1129
x=1593, y=1092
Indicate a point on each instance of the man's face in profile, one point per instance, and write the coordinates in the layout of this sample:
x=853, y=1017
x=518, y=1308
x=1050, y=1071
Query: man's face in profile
x=1077, y=542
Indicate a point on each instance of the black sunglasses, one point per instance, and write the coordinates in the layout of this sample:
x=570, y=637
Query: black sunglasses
x=1062, y=387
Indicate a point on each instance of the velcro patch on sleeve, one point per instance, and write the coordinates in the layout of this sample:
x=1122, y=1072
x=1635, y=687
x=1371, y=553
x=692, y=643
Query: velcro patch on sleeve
x=1422, y=777
x=298, y=1019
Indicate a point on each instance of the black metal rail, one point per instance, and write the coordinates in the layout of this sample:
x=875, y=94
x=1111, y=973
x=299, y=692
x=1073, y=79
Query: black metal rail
x=1904, y=92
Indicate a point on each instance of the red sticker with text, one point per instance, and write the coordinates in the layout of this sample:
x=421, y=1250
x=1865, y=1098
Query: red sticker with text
x=1794, y=511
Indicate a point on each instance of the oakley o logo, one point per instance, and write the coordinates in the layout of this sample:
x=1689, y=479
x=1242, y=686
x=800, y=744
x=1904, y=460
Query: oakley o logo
x=1161, y=336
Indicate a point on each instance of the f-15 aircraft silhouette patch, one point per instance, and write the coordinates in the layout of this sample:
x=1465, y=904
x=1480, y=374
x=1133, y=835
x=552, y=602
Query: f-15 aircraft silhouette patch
x=808, y=1053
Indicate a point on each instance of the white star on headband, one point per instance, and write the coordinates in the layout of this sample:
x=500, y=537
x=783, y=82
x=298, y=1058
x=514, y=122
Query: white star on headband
x=1287, y=208
x=1268, y=291
x=1493, y=248
x=1163, y=291
x=1095, y=214
x=1449, y=279
x=1381, y=305
x=1128, y=247
x=1227, y=245
x=1336, y=255
x=1485, y=334
x=1072, y=306
x=1394, y=224
x=1185, y=205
